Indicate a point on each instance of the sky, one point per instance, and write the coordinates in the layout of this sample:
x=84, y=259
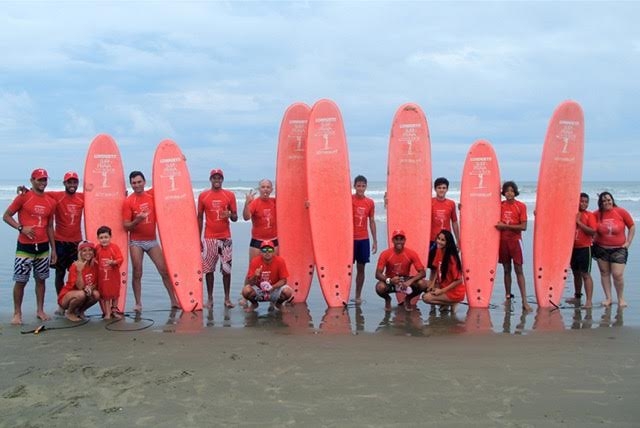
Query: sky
x=216, y=77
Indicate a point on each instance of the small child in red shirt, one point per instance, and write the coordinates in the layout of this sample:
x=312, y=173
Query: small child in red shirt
x=109, y=260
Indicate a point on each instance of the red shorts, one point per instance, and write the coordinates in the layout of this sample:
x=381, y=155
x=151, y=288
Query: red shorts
x=511, y=250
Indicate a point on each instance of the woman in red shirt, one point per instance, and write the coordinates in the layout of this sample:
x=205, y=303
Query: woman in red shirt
x=614, y=233
x=81, y=290
x=445, y=281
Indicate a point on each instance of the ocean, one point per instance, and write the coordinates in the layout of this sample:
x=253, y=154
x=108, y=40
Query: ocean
x=370, y=316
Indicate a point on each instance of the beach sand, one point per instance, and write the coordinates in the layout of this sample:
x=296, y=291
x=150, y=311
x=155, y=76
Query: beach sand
x=221, y=376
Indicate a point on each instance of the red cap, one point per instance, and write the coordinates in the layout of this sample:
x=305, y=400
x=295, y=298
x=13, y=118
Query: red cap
x=86, y=244
x=39, y=173
x=216, y=171
x=70, y=175
x=398, y=232
x=267, y=243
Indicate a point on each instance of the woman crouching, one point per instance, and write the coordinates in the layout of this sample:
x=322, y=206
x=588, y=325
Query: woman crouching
x=81, y=290
x=445, y=281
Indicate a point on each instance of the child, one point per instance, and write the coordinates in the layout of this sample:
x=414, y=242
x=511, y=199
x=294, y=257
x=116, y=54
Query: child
x=513, y=221
x=445, y=282
x=363, y=216
x=80, y=291
x=109, y=260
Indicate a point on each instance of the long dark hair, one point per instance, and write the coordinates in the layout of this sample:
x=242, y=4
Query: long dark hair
x=450, y=250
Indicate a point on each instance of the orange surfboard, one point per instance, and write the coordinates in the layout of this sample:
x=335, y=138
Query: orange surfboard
x=294, y=230
x=409, y=180
x=330, y=207
x=104, y=194
x=479, y=214
x=557, y=199
x=178, y=224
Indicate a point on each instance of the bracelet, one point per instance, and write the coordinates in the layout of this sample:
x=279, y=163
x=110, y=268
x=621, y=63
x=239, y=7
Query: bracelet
x=20, y=227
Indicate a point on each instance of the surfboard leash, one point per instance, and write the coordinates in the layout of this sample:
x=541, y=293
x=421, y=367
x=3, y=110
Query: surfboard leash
x=43, y=327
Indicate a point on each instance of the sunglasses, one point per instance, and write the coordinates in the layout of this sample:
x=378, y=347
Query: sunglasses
x=267, y=250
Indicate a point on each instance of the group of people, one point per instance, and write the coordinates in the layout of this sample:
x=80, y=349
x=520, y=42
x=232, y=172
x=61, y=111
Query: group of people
x=94, y=276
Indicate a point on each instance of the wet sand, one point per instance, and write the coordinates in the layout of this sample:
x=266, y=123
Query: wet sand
x=183, y=374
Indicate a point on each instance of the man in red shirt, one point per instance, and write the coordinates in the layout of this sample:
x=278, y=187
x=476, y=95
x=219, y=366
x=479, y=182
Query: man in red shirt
x=443, y=213
x=363, y=216
x=139, y=218
x=215, y=208
x=262, y=213
x=35, y=240
x=393, y=272
x=266, y=279
x=581, y=256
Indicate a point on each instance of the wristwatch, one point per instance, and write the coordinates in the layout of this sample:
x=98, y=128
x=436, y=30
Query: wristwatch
x=387, y=281
x=20, y=227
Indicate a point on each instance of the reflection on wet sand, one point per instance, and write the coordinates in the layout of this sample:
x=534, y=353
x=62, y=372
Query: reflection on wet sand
x=520, y=327
x=478, y=321
x=336, y=320
x=297, y=317
x=187, y=322
x=605, y=320
x=548, y=319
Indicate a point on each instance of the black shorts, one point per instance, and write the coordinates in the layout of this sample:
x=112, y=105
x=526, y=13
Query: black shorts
x=611, y=255
x=581, y=260
x=255, y=243
x=67, y=253
x=361, y=251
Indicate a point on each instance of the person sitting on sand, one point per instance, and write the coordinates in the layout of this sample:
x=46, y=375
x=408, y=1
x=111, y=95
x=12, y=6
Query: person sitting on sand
x=267, y=278
x=445, y=282
x=393, y=272
x=81, y=290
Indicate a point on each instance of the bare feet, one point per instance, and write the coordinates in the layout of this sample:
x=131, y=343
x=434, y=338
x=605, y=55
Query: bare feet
x=209, y=304
x=73, y=317
x=42, y=316
x=228, y=304
x=588, y=304
x=17, y=319
x=606, y=303
x=59, y=311
x=137, y=308
x=573, y=300
x=622, y=303
x=358, y=300
x=526, y=307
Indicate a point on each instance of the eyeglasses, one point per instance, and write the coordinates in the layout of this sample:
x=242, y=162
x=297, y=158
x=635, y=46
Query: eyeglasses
x=267, y=250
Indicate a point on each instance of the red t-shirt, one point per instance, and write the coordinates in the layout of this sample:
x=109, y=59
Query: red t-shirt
x=457, y=293
x=512, y=213
x=611, y=227
x=399, y=264
x=363, y=210
x=33, y=210
x=89, y=275
x=582, y=239
x=109, y=280
x=443, y=213
x=134, y=205
x=68, y=216
x=263, y=219
x=212, y=203
x=271, y=272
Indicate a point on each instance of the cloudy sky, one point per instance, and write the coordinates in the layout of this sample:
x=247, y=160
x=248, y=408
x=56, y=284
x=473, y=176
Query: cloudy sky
x=217, y=76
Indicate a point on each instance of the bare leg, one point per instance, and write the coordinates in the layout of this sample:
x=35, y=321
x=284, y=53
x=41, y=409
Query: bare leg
x=40, y=288
x=522, y=286
x=507, y=279
x=359, y=281
x=209, y=280
x=158, y=260
x=617, y=271
x=18, y=296
x=588, y=289
x=381, y=289
x=578, y=280
x=226, y=283
x=605, y=278
x=136, y=281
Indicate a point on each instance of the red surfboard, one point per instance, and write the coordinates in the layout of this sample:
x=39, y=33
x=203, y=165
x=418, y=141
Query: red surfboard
x=479, y=214
x=178, y=224
x=330, y=207
x=409, y=180
x=294, y=230
x=104, y=194
x=557, y=199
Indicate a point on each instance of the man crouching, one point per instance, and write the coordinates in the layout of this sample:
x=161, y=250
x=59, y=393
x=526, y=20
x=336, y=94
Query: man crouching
x=267, y=278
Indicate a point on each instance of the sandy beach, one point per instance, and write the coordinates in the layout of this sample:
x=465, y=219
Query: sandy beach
x=87, y=376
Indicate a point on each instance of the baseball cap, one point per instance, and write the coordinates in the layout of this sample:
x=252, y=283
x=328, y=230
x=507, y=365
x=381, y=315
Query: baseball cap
x=70, y=175
x=398, y=232
x=216, y=171
x=86, y=244
x=39, y=173
x=267, y=243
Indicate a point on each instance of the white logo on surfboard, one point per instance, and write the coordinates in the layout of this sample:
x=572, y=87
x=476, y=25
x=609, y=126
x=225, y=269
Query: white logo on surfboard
x=325, y=130
x=104, y=167
x=565, y=137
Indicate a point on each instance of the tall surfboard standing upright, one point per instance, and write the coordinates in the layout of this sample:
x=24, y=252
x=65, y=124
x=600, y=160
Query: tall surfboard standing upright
x=294, y=230
x=178, y=223
x=330, y=206
x=479, y=214
x=409, y=180
x=104, y=194
x=557, y=199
